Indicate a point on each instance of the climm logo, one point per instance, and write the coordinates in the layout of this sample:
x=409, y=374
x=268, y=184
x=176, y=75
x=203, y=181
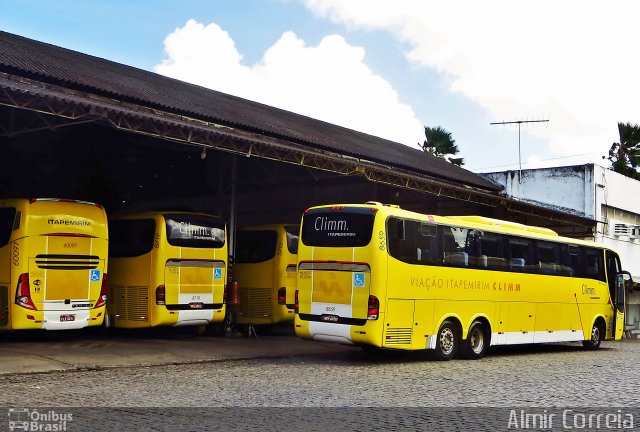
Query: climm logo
x=69, y=222
x=323, y=223
x=194, y=230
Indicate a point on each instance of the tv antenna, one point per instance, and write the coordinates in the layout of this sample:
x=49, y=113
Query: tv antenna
x=519, y=123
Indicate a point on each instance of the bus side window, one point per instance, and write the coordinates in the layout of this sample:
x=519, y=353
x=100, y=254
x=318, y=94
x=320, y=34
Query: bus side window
x=473, y=247
x=520, y=255
x=453, y=247
x=548, y=258
x=576, y=255
x=402, y=240
x=7, y=220
x=426, y=244
x=292, y=239
x=567, y=259
x=491, y=246
x=594, y=260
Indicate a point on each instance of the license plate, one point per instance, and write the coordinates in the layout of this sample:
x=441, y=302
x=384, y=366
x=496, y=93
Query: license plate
x=330, y=318
x=195, y=305
x=65, y=318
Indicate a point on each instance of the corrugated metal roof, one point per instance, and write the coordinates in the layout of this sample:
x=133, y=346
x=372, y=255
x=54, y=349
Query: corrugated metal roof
x=52, y=64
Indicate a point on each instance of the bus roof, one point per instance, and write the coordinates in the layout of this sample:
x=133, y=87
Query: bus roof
x=477, y=222
x=268, y=227
x=158, y=213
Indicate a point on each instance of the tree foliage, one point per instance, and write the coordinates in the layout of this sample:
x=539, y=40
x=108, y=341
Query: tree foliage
x=440, y=143
x=625, y=155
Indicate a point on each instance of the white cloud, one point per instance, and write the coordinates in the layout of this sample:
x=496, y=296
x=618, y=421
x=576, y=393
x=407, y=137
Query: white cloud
x=572, y=61
x=330, y=81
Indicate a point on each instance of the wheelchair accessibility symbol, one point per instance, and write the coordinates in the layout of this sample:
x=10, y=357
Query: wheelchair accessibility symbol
x=358, y=279
x=217, y=273
x=95, y=275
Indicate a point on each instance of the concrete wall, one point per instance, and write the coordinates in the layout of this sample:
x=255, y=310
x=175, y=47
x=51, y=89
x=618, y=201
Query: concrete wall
x=568, y=187
x=618, y=191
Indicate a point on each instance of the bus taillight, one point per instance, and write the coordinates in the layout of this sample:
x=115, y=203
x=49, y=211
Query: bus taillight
x=160, y=295
x=23, y=293
x=296, y=305
x=373, y=308
x=103, y=293
x=282, y=296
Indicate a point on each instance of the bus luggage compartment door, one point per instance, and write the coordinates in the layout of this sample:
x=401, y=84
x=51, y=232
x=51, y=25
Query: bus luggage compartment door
x=339, y=292
x=194, y=288
x=65, y=287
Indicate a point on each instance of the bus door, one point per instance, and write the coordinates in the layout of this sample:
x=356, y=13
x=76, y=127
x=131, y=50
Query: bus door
x=622, y=280
x=66, y=280
x=617, y=280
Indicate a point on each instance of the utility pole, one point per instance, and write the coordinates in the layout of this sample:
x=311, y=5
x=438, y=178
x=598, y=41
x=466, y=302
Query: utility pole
x=519, y=122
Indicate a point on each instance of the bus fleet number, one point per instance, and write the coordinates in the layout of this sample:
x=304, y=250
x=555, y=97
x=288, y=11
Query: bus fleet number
x=15, y=254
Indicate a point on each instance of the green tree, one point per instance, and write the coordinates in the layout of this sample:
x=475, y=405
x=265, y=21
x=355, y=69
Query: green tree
x=625, y=155
x=439, y=143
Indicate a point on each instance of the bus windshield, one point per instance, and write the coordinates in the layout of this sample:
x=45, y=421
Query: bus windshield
x=255, y=246
x=338, y=227
x=196, y=231
x=130, y=238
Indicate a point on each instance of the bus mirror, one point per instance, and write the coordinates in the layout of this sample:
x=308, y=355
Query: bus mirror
x=628, y=281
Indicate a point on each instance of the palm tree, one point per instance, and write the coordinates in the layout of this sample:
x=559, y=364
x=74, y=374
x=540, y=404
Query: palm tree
x=625, y=155
x=439, y=143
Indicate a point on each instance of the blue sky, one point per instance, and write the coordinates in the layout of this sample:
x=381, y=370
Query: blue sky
x=386, y=68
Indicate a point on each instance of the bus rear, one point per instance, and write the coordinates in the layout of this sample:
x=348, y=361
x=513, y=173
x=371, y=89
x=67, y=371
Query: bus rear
x=58, y=260
x=168, y=269
x=265, y=260
x=339, y=250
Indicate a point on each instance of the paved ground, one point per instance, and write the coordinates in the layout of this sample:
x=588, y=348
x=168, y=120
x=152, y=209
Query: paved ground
x=181, y=370
x=88, y=349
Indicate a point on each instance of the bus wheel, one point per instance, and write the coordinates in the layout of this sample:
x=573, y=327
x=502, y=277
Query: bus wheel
x=477, y=342
x=447, y=341
x=597, y=334
x=200, y=330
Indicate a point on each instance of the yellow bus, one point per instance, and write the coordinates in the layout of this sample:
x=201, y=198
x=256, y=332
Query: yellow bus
x=265, y=267
x=167, y=269
x=53, y=264
x=379, y=276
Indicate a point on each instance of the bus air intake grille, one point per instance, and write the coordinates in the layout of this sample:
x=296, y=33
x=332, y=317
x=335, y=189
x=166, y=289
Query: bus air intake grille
x=398, y=336
x=67, y=262
x=256, y=302
x=129, y=303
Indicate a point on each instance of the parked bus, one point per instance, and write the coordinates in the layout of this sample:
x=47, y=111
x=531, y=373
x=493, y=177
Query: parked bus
x=379, y=276
x=53, y=264
x=265, y=268
x=167, y=269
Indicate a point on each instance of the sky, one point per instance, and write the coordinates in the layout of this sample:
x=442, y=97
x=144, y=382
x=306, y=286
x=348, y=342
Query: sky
x=386, y=68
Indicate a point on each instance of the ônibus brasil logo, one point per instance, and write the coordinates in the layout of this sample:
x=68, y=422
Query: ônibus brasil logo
x=24, y=419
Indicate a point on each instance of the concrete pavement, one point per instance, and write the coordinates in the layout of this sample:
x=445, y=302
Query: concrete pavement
x=88, y=349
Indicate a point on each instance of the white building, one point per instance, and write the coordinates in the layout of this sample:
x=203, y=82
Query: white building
x=612, y=200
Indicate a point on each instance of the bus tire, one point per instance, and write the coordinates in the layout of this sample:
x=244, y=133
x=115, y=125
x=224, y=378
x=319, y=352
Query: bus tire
x=447, y=341
x=597, y=335
x=372, y=350
x=477, y=342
